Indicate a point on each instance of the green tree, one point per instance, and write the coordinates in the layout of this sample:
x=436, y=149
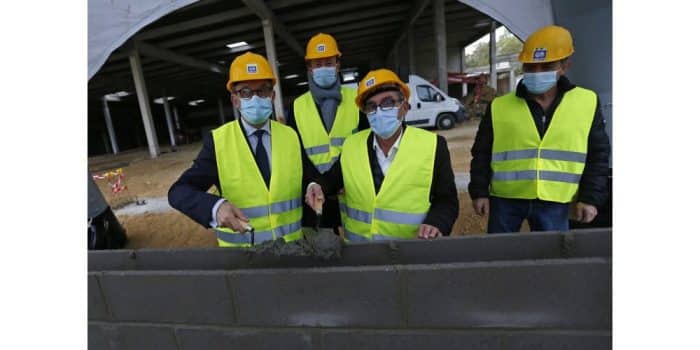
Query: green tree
x=506, y=44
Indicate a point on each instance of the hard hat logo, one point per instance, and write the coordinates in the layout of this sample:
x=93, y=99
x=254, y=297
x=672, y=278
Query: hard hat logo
x=539, y=54
x=320, y=48
x=252, y=68
x=377, y=78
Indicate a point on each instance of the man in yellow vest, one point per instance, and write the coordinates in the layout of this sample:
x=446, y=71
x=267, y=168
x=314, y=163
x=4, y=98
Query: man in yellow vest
x=254, y=162
x=324, y=117
x=541, y=147
x=398, y=179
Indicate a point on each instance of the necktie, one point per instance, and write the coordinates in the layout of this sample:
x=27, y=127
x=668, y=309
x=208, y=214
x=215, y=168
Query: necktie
x=261, y=158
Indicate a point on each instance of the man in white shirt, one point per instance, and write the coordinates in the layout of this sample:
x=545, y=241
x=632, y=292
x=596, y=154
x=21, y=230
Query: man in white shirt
x=408, y=169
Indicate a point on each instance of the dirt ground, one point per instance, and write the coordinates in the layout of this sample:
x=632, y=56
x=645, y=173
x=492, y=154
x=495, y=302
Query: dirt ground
x=145, y=178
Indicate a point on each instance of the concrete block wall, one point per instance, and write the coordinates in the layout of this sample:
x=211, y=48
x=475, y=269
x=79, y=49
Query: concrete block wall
x=520, y=303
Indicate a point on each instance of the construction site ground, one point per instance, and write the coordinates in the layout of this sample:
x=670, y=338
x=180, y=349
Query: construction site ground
x=154, y=224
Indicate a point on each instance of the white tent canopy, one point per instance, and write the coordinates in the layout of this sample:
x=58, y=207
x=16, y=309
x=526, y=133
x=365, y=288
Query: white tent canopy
x=113, y=22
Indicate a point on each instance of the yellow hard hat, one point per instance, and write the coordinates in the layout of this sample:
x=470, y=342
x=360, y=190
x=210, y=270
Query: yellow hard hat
x=378, y=78
x=249, y=66
x=547, y=44
x=321, y=45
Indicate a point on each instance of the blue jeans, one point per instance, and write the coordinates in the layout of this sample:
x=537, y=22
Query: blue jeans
x=506, y=215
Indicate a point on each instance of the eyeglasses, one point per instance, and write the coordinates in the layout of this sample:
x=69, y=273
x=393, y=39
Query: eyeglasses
x=386, y=104
x=247, y=93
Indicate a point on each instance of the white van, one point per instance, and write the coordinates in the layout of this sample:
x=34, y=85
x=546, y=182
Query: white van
x=431, y=107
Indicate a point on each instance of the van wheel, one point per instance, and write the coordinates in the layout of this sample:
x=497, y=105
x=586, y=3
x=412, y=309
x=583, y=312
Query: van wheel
x=445, y=121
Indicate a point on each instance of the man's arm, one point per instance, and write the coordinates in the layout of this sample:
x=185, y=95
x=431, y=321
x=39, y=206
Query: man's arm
x=188, y=193
x=593, y=187
x=444, y=204
x=480, y=173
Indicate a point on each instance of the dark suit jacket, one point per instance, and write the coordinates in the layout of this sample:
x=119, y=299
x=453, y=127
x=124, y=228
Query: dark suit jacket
x=188, y=194
x=444, y=204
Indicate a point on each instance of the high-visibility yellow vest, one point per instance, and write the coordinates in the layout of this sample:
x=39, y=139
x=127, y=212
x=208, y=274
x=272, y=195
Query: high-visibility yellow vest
x=403, y=200
x=527, y=167
x=274, y=212
x=323, y=148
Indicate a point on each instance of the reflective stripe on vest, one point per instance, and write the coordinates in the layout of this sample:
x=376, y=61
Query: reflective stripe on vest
x=404, y=197
x=527, y=167
x=323, y=147
x=274, y=212
x=260, y=237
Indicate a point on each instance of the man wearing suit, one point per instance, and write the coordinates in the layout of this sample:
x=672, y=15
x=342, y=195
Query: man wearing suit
x=398, y=180
x=254, y=162
x=324, y=117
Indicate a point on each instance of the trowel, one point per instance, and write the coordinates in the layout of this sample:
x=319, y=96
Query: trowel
x=250, y=229
x=318, y=208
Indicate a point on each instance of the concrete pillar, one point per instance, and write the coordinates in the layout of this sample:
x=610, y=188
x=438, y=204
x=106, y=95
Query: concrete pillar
x=222, y=118
x=461, y=70
x=511, y=79
x=110, y=126
x=177, y=118
x=144, y=103
x=440, y=43
x=169, y=121
x=492, y=56
x=272, y=58
x=411, y=52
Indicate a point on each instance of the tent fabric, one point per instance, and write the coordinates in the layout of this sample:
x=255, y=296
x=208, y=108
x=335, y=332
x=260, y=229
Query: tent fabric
x=521, y=17
x=113, y=22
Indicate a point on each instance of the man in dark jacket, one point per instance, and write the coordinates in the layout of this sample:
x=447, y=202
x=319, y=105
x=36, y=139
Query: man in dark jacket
x=397, y=179
x=542, y=147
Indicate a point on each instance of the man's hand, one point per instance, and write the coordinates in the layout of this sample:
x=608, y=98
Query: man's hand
x=481, y=206
x=428, y=232
x=314, y=196
x=229, y=216
x=585, y=212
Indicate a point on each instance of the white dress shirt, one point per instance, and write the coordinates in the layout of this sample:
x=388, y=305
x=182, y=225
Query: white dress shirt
x=249, y=131
x=386, y=160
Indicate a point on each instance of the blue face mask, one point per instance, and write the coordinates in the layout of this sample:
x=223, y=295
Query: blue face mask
x=539, y=83
x=256, y=110
x=324, y=77
x=384, y=123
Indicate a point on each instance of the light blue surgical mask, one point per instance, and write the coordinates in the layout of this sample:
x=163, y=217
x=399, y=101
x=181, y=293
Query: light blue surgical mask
x=324, y=77
x=256, y=110
x=384, y=123
x=539, y=83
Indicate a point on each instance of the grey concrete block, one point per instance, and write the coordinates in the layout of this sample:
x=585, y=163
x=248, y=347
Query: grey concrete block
x=541, y=245
x=318, y=297
x=199, y=297
x=409, y=340
x=131, y=337
x=480, y=248
x=97, y=310
x=192, y=259
x=97, y=339
x=568, y=294
x=102, y=260
x=592, y=242
x=217, y=338
x=560, y=341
